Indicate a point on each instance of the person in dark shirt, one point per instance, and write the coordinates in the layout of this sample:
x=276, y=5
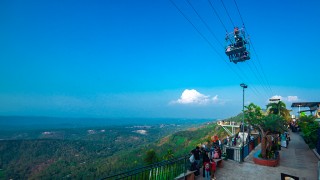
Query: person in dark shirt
x=196, y=153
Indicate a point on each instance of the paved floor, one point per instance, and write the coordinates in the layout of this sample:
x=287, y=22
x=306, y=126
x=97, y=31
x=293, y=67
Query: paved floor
x=297, y=160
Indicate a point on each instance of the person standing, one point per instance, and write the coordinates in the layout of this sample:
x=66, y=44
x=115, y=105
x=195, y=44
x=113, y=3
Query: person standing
x=213, y=167
x=206, y=161
x=228, y=140
x=206, y=168
x=283, y=140
x=287, y=139
x=196, y=154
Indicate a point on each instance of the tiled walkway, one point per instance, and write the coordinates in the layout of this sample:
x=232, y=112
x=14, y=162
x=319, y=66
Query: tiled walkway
x=297, y=160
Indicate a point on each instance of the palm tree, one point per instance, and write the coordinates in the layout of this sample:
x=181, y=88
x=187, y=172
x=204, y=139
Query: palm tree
x=279, y=109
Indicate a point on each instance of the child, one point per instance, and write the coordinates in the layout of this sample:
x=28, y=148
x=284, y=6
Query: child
x=213, y=169
x=207, y=170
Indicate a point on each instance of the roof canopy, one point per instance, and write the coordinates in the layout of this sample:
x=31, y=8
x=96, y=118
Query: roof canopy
x=306, y=104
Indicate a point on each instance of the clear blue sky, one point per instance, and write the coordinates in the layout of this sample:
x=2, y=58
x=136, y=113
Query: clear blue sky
x=123, y=58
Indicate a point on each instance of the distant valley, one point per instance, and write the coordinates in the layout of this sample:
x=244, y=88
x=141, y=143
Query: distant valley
x=56, y=147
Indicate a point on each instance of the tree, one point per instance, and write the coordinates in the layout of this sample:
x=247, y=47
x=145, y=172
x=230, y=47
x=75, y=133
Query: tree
x=168, y=155
x=278, y=108
x=265, y=124
x=309, y=129
x=151, y=157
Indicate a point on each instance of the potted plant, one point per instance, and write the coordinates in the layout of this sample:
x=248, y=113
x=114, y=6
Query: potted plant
x=266, y=124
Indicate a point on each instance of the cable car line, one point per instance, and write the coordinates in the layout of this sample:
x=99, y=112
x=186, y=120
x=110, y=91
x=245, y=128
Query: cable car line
x=227, y=13
x=246, y=77
x=208, y=27
x=254, y=90
x=261, y=67
x=249, y=81
x=242, y=73
x=257, y=92
x=257, y=77
x=196, y=28
x=210, y=44
x=214, y=10
x=239, y=12
x=264, y=87
x=267, y=88
x=265, y=77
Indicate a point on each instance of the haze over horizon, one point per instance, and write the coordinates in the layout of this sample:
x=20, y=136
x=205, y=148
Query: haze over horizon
x=120, y=59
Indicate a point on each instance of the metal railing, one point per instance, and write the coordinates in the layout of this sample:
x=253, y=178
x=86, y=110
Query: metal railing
x=172, y=168
x=318, y=142
x=162, y=170
x=239, y=153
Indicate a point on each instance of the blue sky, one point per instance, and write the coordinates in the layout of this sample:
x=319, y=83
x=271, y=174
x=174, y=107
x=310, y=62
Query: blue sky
x=121, y=58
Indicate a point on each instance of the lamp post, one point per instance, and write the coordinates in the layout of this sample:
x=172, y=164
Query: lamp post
x=243, y=87
x=299, y=110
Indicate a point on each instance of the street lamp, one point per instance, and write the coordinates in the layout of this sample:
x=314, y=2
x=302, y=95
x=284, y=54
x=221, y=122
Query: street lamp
x=299, y=110
x=243, y=87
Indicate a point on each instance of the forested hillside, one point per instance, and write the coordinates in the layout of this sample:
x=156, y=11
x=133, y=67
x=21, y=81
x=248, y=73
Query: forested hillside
x=96, y=153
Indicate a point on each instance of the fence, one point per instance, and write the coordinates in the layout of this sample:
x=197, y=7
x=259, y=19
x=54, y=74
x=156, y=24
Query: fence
x=174, y=167
x=158, y=171
x=239, y=153
x=318, y=142
x=234, y=153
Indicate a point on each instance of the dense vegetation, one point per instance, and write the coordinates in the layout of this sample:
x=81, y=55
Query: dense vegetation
x=96, y=152
x=309, y=129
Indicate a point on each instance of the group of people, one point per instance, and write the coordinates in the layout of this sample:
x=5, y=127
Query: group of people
x=294, y=126
x=232, y=141
x=204, y=157
x=280, y=140
x=241, y=56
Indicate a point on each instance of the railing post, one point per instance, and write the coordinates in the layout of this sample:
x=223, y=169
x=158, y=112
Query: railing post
x=185, y=165
x=242, y=154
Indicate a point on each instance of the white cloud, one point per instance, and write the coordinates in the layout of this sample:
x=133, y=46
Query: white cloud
x=293, y=98
x=277, y=97
x=288, y=98
x=192, y=96
x=215, y=98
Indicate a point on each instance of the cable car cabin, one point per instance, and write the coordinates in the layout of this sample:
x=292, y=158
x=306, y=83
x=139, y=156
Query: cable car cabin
x=237, y=50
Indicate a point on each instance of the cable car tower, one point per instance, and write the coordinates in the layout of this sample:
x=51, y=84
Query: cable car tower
x=237, y=48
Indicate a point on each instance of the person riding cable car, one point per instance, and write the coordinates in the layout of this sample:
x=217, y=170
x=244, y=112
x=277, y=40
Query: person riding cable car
x=239, y=57
x=245, y=56
x=237, y=50
x=236, y=31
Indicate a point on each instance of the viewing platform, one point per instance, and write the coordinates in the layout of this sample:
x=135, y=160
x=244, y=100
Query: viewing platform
x=296, y=160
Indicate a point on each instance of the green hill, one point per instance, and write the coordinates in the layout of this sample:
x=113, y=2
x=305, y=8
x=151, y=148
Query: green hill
x=87, y=155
